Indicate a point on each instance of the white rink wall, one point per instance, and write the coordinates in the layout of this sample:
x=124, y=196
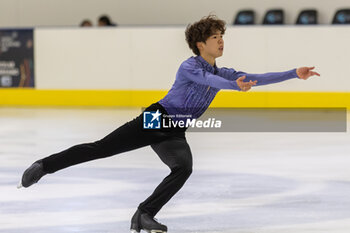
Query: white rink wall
x=134, y=58
x=28, y=13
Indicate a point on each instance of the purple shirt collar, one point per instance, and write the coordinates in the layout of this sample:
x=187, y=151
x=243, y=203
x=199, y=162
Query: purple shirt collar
x=206, y=65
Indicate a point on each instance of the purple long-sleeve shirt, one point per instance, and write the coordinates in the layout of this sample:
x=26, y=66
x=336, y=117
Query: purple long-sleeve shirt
x=197, y=83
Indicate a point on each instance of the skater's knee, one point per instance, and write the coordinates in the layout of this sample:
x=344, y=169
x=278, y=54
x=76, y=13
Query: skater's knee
x=185, y=169
x=188, y=171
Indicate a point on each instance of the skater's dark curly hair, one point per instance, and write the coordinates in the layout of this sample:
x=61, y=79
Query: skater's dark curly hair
x=200, y=31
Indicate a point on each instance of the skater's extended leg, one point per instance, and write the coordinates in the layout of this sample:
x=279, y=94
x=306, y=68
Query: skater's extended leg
x=127, y=137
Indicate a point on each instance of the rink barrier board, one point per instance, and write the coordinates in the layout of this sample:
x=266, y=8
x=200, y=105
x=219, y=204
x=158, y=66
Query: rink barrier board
x=142, y=98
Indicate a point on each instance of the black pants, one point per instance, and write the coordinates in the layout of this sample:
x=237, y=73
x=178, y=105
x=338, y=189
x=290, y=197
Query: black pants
x=170, y=145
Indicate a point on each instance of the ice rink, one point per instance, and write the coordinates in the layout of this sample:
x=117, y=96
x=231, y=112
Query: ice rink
x=241, y=182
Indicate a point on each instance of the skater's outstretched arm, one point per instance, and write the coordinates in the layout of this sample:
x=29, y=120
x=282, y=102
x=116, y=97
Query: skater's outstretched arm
x=271, y=77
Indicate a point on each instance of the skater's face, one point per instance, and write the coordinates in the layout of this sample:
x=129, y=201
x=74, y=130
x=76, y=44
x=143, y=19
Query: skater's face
x=213, y=46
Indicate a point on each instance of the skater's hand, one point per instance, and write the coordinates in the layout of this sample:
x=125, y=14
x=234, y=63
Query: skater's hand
x=305, y=72
x=245, y=86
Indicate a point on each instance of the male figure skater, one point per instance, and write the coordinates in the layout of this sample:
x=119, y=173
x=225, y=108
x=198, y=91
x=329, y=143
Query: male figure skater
x=197, y=82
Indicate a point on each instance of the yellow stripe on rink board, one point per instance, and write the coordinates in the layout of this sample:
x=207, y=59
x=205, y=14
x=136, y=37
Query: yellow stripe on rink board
x=142, y=98
x=283, y=99
x=32, y=97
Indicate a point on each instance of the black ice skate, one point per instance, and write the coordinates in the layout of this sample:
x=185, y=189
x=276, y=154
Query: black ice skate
x=32, y=175
x=143, y=221
x=135, y=222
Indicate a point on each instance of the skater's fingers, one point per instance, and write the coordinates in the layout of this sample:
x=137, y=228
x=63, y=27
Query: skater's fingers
x=315, y=73
x=241, y=78
x=253, y=82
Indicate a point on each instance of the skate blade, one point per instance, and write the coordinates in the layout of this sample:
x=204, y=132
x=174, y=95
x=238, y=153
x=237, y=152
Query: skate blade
x=20, y=185
x=155, y=231
x=134, y=231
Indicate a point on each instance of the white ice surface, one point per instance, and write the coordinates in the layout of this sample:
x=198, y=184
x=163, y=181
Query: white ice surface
x=242, y=182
